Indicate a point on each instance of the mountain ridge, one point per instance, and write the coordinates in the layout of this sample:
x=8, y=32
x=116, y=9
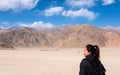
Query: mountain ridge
x=70, y=36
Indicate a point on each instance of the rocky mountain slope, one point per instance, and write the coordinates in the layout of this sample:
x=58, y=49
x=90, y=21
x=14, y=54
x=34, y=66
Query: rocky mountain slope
x=63, y=37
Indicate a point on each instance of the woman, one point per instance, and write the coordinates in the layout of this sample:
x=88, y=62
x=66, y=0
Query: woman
x=91, y=64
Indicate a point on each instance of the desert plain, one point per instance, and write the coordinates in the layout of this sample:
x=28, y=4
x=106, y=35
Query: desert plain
x=53, y=61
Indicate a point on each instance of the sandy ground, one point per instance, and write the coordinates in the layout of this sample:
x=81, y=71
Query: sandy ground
x=48, y=61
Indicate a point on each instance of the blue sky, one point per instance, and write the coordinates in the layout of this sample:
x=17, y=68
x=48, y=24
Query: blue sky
x=50, y=13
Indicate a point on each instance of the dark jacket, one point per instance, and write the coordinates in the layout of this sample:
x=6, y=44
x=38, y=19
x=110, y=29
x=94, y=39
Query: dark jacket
x=89, y=66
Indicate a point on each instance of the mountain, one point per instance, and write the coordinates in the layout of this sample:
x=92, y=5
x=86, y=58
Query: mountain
x=113, y=29
x=80, y=35
x=69, y=36
x=25, y=37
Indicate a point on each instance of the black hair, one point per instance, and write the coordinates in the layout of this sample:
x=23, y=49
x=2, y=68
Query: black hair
x=94, y=49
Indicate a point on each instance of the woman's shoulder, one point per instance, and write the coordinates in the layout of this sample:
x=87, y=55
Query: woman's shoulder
x=84, y=61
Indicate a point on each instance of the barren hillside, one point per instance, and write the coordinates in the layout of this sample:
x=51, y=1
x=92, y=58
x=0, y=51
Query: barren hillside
x=64, y=36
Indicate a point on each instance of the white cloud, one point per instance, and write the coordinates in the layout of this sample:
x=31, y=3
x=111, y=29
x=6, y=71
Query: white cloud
x=4, y=24
x=80, y=3
x=38, y=24
x=80, y=13
x=52, y=11
x=107, y=2
x=17, y=5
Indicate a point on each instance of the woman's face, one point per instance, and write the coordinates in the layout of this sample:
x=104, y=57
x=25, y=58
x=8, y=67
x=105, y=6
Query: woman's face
x=86, y=53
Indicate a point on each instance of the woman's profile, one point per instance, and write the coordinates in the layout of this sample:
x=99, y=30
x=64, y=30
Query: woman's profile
x=91, y=64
